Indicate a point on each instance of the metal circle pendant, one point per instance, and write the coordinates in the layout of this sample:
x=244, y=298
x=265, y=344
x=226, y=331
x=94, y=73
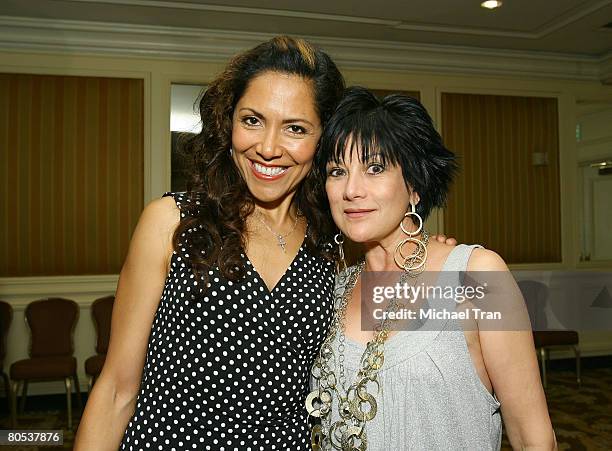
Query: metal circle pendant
x=336, y=433
x=352, y=434
x=362, y=387
x=330, y=379
x=358, y=403
x=311, y=399
x=344, y=409
x=326, y=402
x=376, y=361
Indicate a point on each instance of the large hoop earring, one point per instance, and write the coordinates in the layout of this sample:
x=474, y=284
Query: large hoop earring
x=413, y=264
x=407, y=215
x=339, y=240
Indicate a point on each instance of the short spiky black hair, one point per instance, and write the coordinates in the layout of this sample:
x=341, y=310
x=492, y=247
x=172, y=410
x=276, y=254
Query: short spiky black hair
x=400, y=131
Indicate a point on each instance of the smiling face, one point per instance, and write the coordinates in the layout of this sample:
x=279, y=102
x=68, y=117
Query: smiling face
x=275, y=131
x=367, y=199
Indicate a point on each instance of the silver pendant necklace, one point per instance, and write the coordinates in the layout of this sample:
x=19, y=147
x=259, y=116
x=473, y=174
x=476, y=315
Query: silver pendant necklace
x=279, y=238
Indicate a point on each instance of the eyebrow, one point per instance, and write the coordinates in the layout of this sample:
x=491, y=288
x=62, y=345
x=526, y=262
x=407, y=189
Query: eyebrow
x=286, y=121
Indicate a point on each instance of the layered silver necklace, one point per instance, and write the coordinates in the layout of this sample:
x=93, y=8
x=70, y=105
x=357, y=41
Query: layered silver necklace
x=356, y=403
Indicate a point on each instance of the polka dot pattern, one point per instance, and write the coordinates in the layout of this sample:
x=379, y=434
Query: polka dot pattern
x=228, y=367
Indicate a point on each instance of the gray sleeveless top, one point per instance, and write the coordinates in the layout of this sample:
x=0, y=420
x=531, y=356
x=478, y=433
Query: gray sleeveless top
x=431, y=397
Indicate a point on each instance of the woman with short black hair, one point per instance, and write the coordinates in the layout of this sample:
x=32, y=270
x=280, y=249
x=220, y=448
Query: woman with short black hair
x=437, y=384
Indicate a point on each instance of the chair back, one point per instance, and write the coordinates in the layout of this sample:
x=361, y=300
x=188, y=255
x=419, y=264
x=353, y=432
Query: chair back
x=101, y=312
x=52, y=323
x=6, y=317
x=536, y=296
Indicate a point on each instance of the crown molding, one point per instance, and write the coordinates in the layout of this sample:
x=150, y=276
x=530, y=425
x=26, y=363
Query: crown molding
x=100, y=38
x=549, y=28
x=244, y=10
x=605, y=67
x=556, y=24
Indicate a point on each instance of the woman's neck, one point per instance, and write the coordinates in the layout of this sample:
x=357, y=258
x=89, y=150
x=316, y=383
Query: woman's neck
x=380, y=256
x=277, y=214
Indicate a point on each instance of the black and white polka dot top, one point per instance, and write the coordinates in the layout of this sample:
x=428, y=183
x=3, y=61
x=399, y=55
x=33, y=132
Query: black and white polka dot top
x=228, y=367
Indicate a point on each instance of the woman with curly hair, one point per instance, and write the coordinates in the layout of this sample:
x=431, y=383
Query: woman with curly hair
x=225, y=294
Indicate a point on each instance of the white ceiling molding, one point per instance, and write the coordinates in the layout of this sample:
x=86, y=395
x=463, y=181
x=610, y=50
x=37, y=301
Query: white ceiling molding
x=66, y=36
x=244, y=10
x=549, y=28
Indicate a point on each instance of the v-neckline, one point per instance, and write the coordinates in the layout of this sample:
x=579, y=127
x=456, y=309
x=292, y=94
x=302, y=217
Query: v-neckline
x=390, y=340
x=261, y=280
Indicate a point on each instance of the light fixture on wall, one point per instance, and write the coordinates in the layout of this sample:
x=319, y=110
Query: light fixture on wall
x=491, y=4
x=604, y=167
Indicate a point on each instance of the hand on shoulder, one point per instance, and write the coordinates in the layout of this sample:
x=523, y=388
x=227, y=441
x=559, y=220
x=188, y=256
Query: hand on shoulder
x=441, y=238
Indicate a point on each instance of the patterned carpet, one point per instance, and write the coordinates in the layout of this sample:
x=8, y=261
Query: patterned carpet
x=42, y=420
x=582, y=418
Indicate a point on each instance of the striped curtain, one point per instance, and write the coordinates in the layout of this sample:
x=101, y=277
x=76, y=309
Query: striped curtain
x=71, y=173
x=501, y=199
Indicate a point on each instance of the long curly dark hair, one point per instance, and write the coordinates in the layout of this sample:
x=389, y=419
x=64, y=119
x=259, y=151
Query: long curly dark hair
x=213, y=229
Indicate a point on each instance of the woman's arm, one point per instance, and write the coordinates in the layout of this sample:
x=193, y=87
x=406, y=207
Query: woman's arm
x=510, y=361
x=141, y=282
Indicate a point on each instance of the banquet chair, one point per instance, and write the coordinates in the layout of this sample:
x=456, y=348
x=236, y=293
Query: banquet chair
x=51, y=322
x=101, y=312
x=6, y=317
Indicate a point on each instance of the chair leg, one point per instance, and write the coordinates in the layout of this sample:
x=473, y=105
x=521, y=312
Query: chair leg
x=15, y=386
x=77, y=389
x=68, y=384
x=578, y=365
x=24, y=395
x=7, y=388
x=543, y=358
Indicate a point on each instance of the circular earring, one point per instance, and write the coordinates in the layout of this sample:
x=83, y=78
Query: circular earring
x=413, y=263
x=415, y=214
x=339, y=239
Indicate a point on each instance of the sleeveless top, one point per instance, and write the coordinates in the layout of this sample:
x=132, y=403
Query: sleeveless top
x=431, y=397
x=228, y=367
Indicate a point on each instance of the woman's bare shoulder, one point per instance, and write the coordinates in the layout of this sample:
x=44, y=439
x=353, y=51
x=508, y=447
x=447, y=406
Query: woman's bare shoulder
x=483, y=259
x=155, y=229
x=163, y=209
x=160, y=215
